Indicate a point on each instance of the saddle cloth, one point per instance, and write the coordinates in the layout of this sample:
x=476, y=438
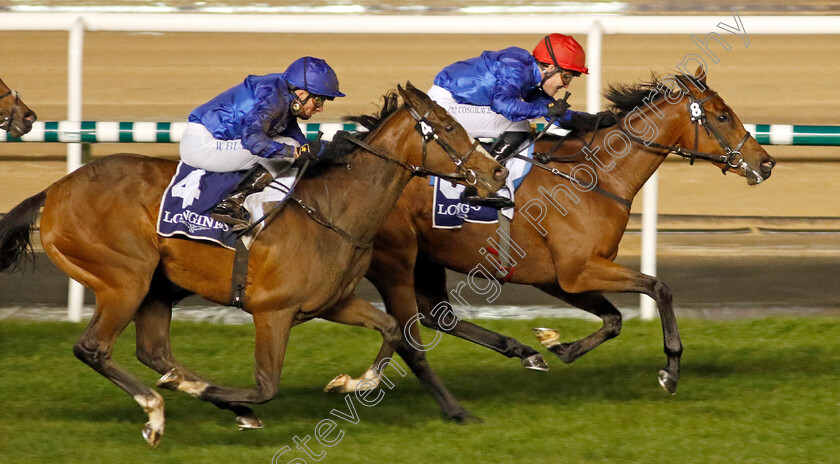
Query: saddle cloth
x=193, y=192
x=449, y=213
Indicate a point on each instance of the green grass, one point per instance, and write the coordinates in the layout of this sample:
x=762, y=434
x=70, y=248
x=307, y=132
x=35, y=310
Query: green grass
x=758, y=391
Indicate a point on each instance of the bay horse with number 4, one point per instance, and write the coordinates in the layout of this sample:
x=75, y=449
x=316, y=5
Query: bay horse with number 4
x=98, y=226
x=567, y=228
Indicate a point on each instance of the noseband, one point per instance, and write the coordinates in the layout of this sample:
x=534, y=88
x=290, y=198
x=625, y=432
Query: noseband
x=428, y=132
x=697, y=113
x=8, y=120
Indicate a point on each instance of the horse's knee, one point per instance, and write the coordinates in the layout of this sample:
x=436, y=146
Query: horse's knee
x=89, y=353
x=612, y=325
x=391, y=331
x=661, y=293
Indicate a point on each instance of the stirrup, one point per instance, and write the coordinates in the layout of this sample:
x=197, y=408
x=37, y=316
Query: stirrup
x=237, y=218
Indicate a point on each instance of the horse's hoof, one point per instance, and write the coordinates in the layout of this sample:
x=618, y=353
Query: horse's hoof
x=170, y=380
x=249, y=421
x=465, y=418
x=151, y=435
x=668, y=381
x=339, y=384
x=547, y=337
x=535, y=362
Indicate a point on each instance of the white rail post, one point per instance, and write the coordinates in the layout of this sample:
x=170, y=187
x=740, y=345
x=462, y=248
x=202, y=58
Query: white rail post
x=647, y=306
x=593, y=57
x=76, y=292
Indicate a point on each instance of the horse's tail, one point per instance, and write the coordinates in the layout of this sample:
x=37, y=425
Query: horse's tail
x=15, y=229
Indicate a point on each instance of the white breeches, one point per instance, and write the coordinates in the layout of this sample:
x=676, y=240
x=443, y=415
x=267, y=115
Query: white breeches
x=478, y=121
x=201, y=150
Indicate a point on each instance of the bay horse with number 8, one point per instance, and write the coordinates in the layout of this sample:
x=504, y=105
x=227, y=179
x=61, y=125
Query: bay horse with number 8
x=99, y=227
x=571, y=238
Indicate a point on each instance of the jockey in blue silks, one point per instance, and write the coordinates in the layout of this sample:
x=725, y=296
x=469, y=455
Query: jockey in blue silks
x=253, y=126
x=495, y=95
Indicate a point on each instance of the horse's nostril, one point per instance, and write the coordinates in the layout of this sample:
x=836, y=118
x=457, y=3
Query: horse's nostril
x=768, y=165
x=30, y=117
x=500, y=173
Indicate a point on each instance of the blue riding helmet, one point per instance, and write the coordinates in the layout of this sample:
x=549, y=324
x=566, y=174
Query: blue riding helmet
x=313, y=75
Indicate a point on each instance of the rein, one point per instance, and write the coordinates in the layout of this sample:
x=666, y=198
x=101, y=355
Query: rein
x=697, y=113
x=8, y=120
x=428, y=133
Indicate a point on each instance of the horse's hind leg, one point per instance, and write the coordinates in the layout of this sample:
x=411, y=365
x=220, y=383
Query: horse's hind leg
x=114, y=310
x=593, y=302
x=358, y=312
x=154, y=350
x=430, y=289
x=271, y=329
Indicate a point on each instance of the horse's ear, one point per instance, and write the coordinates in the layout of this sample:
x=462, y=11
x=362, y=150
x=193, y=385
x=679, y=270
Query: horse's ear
x=700, y=74
x=402, y=92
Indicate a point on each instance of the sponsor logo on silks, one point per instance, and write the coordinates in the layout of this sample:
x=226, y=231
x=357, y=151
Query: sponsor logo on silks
x=194, y=222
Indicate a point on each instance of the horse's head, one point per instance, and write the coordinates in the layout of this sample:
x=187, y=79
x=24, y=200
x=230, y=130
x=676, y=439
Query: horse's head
x=712, y=127
x=447, y=146
x=17, y=118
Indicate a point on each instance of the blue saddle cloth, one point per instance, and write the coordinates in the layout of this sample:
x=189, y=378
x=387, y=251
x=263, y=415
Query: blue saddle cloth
x=450, y=213
x=187, y=200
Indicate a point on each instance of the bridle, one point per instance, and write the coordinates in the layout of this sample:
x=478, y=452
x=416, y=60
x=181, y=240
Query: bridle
x=427, y=131
x=429, y=134
x=6, y=125
x=697, y=113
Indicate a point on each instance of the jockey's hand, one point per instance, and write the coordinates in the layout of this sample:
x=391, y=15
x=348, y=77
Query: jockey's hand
x=556, y=108
x=312, y=150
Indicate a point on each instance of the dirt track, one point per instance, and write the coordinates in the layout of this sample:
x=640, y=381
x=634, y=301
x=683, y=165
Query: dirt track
x=161, y=77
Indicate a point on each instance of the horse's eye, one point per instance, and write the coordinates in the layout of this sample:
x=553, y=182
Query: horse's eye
x=449, y=128
x=723, y=117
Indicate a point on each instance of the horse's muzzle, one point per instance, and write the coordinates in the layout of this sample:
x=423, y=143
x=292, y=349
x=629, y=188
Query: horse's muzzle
x=500, y=173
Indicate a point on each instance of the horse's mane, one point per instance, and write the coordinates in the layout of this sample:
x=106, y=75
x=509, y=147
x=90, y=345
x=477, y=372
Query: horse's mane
x=340, y=147
x=624, y=98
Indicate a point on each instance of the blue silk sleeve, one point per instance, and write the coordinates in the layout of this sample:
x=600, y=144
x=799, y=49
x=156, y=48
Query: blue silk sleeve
x=271, y=107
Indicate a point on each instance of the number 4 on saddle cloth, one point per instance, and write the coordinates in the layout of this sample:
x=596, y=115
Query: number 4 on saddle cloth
x=193, y=192
x=450, y=213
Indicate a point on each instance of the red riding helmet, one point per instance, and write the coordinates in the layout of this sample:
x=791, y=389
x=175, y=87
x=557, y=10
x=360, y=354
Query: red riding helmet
x=562, y=51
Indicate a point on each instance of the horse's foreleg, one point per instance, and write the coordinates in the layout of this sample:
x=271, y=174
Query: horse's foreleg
x=358, y=312
x=593, y=302
x=271, y=338
x=430, y=288
x=113, y=313
x=396, y=285
x=154, y=350
x=606, y=276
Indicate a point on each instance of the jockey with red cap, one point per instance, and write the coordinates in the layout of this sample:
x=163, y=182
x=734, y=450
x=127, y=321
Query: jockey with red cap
x=253, y=126
x=496, y=94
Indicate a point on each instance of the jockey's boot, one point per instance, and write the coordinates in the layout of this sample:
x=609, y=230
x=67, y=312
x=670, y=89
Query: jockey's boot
x=232, y=210
x=503, y=149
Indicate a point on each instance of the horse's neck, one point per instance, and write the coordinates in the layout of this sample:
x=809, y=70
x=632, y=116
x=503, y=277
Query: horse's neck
x=629, y=173
x=358, y=199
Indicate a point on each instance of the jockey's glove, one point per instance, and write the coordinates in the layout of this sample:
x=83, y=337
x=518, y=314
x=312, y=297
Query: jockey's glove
x=312, y=150
x=556, y=108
